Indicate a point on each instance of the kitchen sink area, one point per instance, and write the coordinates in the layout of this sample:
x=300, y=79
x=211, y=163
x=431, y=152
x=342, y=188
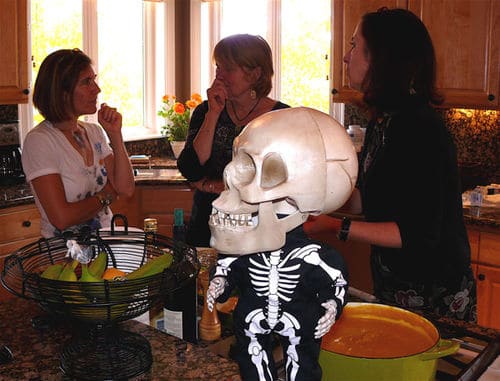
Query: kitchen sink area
x=161, y=173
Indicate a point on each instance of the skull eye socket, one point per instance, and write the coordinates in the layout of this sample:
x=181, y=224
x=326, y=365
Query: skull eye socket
x=244, y=170
x=274, y=171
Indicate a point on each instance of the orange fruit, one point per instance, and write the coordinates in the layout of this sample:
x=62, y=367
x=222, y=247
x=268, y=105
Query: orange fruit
x=112, y=273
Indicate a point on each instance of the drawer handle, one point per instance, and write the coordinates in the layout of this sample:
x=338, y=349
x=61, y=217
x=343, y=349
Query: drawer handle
x=26, y=224
x=481, y=277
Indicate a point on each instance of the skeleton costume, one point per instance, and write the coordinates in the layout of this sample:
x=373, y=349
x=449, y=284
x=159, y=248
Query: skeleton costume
x=282, y=292
x=286, y=165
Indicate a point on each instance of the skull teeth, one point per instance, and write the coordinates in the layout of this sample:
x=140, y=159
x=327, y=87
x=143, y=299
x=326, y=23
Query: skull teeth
x=231, y=220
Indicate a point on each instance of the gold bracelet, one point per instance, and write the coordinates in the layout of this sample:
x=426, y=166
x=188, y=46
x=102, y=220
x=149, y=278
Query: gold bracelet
x=210, y=186
x=104, y=198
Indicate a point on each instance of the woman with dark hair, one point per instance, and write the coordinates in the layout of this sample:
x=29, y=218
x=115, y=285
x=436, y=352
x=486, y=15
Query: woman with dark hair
x=408, y=185
x=74, y=173
x=239, y=94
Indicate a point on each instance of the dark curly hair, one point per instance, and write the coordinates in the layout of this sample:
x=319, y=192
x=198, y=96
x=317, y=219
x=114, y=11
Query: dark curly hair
x=402, y=59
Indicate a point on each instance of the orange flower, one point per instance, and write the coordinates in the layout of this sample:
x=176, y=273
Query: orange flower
x=197, y=98
x=191, y=104
x=177, y=116
x=179, y=108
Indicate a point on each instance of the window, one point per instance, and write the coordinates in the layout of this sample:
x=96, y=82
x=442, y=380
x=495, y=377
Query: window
x=299, y=35
x=126, y=42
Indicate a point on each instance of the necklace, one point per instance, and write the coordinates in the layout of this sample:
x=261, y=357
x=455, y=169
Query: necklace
x=248, y=113
x=77, y=135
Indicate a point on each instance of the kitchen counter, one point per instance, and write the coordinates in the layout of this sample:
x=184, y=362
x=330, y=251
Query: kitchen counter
x=36, y=350
x=14, y=195
x=36, y=347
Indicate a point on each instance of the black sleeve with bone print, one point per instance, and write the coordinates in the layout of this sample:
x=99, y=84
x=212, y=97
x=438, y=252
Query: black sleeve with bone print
x=310, y=271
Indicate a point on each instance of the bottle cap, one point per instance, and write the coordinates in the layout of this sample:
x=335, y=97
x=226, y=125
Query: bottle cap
x=150, y=225
x=178, y=217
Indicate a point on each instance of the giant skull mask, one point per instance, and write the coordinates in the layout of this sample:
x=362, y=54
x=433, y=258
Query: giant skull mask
x=286, y=165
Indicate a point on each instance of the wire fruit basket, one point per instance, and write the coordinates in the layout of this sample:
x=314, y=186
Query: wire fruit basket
x=100, y=349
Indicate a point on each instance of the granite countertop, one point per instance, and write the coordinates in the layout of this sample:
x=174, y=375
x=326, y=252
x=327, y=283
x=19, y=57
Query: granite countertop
x=36, y=350
x=160, y=172
x=36, y=347
x=163, y=171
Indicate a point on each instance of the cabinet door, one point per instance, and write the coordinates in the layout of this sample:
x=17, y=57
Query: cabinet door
x=13, y=52
x=357, y=258
x=473, y=236
x=489, y=249
x=465, y=36
x=129, y=207
x=160, y=201
x=19, y=224
x=346, y=15
x=488, y=296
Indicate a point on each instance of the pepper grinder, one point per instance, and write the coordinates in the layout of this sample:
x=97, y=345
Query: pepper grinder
x=210, y=326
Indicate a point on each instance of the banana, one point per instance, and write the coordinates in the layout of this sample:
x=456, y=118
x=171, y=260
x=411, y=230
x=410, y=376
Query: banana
x=154, y=266
x=87, y=275
x=99, y=264
x=53, y=271
x=68, y=272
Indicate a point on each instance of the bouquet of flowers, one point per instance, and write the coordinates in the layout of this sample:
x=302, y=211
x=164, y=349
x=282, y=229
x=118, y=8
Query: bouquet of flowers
x=177, y=116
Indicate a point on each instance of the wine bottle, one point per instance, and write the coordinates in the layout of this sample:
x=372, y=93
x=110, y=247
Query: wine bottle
x=180, y=312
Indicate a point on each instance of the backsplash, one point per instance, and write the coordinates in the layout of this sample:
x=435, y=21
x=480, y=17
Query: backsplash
x=476, y=134
x=8, y=113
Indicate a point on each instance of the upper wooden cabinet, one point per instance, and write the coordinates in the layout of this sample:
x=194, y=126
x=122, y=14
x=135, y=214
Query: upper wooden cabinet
x=468, y=55
x=467, y=51
x=14, y=87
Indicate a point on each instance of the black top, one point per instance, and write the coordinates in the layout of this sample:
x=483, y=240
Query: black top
x=409, y=174
x=198, y=233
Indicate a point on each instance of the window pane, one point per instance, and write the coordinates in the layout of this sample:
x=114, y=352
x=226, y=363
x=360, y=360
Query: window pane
x=55, y=24
x=305, y=51
x=254, y=20
x=120, y=68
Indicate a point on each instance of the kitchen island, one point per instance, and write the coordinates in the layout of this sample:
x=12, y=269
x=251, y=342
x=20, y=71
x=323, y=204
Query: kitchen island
x=36, y=349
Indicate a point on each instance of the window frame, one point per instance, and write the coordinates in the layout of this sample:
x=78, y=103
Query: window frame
x=159, y=69
x=336, y=110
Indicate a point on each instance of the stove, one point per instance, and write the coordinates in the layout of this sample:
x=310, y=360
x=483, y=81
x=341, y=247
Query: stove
x=477, y=352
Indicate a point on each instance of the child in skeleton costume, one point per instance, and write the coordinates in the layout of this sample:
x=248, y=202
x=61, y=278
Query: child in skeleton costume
x=286, y=165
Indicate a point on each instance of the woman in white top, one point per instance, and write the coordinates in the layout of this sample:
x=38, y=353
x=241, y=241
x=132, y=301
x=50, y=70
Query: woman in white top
x=74, y=173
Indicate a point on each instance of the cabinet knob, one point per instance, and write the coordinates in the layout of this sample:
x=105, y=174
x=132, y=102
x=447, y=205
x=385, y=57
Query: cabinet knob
x=491, y=97
x=481, y=277
x=26, y=91
x=26, y=224
x=334, y=91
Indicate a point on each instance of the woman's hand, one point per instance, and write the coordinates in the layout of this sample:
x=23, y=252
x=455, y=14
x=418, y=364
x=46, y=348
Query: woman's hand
x=217, y=96
x=110, y=119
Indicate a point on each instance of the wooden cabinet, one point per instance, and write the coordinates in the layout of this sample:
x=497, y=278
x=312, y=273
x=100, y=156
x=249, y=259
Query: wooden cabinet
x=356, y=256
x=465, y=36
x=14, y=87
x=346, y=15
x=129, y=207
x=485, y=256
x=463, y=33
x=20, y=226
x=159, y=202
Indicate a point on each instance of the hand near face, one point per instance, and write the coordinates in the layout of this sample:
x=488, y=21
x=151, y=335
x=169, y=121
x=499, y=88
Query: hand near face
x=109, y=119
x=217, y=96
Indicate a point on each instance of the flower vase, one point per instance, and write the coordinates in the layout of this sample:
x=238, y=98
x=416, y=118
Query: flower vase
x=177, y=147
